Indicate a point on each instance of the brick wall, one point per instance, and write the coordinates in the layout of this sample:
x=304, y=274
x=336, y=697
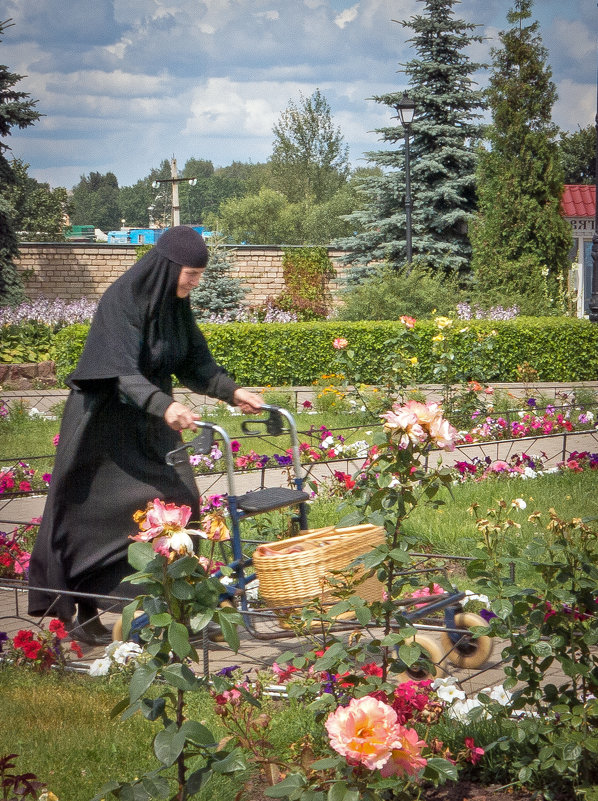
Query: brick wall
x=77, y=270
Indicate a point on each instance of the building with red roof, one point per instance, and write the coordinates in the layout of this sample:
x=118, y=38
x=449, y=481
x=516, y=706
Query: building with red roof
x=578, y=206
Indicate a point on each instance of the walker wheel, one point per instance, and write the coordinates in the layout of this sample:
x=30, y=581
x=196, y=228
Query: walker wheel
x=420, y=671
x=117, y=628
x=468, y=652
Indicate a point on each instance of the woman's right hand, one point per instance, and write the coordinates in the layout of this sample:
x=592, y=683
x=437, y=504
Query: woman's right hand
x=179, y=417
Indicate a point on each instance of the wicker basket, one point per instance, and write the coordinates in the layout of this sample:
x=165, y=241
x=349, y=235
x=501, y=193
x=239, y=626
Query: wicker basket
x=294, y=571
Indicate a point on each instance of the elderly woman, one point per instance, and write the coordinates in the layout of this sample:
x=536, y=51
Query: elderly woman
x=119, y=422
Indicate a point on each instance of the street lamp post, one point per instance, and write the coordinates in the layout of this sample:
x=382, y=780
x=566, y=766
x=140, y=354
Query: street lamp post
x=405, y=112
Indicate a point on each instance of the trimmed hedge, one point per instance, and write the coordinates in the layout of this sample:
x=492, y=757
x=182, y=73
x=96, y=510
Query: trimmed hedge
x=295, y=354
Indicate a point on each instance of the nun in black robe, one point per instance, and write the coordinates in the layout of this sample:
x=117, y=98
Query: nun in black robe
x=110, y=459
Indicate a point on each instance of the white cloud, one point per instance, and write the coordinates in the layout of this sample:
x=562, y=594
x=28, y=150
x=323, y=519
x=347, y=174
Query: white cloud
x=347, y=16
x=576, y=105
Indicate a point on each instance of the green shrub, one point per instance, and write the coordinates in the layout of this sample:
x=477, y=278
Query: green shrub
x=26, y=342
x=298, y=354
x=305, y=271
x=67, y=347
x=390, y=293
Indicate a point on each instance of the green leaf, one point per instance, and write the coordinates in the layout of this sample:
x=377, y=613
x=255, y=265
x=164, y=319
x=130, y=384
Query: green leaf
x=339, y=791
x=324, y=764
x=168, y=744
x=181, y=677
x=232, y=763
x=156, y=786
x=105, y=789
x=152, y=708
x=127, y=616
x=501, y=608
x=197, y=733
x=541, y=649
x=182, y=567
x=178, y=637
x=229, y=629
x=142, y=678
x=139, y=554
x=289, y=787
x=161, y=620
x=442, y=769
x=409, y=654
x=182, y=590
x=196, y=780
x=200, y=620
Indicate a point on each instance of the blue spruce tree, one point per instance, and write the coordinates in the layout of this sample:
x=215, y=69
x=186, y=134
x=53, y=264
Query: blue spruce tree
x=445, y=133
x=219, y=293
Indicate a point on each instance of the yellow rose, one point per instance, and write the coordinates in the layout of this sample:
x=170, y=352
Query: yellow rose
x=413, y=360
x=443, y=322
x=438, y=338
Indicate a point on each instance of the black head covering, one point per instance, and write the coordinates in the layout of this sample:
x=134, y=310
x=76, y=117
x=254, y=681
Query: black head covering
x=140, y=311
x=183, y=245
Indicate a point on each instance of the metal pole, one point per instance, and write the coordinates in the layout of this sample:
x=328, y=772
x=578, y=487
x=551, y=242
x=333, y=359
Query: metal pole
x=408, y=206
x=176, y=209
x=594, y=296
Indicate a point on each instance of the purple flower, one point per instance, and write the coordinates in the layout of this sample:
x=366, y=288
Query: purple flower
x=487, y=615
x=531, y=402
x=283, y=461
x=227, y=672
x=3, y=638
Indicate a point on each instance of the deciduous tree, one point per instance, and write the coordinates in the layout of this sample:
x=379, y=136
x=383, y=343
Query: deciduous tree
x=577, y=152
x=309, y=159
x=95, y=201
x=38, y=212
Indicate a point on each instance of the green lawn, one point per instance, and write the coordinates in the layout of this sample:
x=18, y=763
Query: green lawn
x=60, y=727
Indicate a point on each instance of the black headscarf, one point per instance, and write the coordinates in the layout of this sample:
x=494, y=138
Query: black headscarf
x=140, y=312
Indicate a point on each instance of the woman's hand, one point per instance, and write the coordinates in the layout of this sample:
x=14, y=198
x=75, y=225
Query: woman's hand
x=248, y=402
x=178, y=417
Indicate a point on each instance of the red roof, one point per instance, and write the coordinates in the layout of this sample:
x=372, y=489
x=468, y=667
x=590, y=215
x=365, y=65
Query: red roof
x=579, y=200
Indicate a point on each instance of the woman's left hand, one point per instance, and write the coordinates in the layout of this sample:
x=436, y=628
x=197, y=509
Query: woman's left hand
x=248, y=402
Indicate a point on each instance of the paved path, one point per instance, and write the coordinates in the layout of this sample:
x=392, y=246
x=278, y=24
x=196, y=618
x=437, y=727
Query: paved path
x=254, y=652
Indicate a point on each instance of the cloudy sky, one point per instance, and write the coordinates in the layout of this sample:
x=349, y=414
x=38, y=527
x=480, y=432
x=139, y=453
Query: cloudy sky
x=124, y=84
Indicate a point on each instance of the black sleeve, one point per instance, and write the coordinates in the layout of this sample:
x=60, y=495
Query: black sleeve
x=201, y=373
x=140, y=392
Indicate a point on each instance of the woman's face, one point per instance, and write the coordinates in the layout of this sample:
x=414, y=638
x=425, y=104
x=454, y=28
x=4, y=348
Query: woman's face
x=189, y=278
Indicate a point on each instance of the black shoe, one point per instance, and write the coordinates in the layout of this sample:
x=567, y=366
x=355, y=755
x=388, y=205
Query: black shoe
x=92, y=632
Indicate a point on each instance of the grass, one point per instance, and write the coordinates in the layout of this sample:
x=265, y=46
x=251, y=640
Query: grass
x=60, y=727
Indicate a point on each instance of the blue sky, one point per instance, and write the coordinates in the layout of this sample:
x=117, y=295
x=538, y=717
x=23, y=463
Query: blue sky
x=124, y=84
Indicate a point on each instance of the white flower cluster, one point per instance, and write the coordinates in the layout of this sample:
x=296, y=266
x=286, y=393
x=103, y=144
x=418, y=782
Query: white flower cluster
x=461, y=706
x=116, y=655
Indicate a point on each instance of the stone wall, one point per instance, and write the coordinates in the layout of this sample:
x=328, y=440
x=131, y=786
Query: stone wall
x=70, y=271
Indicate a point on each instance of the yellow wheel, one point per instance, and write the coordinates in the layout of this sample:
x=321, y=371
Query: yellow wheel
x=420, y=670
x=467, y=652
x=117, y=629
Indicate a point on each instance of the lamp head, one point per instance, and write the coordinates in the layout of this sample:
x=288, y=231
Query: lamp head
x=405, y=109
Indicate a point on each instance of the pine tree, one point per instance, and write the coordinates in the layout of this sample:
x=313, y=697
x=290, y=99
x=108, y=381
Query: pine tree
x=445, y=132
x=520, y=240
x=15, y=109
x=218, y=293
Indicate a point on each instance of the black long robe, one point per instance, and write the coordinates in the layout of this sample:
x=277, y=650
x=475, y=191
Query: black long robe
x=110, y=459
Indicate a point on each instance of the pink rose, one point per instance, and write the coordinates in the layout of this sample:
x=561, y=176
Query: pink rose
x=405, y=758
x=340, y=343
x=363, y=731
